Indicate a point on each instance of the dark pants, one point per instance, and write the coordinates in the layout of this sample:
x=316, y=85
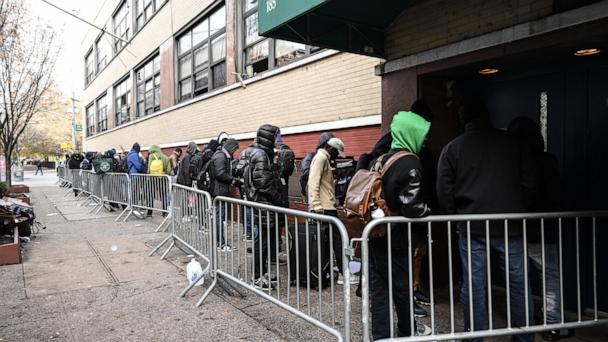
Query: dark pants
x=39, y=169
x=266, y=239
x=379, y=294
x=220, y=213
x=336, y=239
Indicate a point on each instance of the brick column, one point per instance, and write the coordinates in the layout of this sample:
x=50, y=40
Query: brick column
x=167, y=74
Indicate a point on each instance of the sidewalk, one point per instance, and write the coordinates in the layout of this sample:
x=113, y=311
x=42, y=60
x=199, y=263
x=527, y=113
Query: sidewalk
x=87, y=278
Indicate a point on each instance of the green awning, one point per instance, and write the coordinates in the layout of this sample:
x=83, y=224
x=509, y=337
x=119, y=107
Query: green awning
x=355, y=26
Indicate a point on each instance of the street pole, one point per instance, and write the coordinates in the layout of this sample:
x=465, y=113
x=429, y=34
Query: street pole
x=75, y=147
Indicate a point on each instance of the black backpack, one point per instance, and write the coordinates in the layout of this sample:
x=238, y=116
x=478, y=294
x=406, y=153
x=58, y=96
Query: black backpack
x=344, y=173
x=305, y=172
x=122, y=166
x=204, y=181
x=287, y=161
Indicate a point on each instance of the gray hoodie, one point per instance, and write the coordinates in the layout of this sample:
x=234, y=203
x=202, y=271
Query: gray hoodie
x=183, y=172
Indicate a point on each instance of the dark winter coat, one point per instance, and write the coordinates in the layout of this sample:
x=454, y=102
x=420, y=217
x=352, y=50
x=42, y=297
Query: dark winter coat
x=75, y=160
x=550, y=185
x=183, y=172
x=221, y=173
x=264, y=185
x=486, y=171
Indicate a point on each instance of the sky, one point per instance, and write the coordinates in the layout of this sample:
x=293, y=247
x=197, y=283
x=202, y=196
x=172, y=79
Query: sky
x=69, y=72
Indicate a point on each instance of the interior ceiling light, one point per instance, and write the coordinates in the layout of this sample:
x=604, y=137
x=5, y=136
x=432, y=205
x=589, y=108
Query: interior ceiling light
x=587, y=52
x=488, y=71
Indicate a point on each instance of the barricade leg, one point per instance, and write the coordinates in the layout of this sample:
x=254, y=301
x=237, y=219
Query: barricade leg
x=160, y=245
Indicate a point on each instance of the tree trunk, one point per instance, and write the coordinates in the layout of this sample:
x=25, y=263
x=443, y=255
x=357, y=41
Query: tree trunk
x=7, y=170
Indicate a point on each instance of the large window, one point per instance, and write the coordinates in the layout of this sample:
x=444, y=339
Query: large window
x=202, y=56
x=122, y=101
x=148, y=87
x=102, y=51
x=102, y=114
x=121, y=26
x=89, y=62
x=90, y=112
x=261, y=53
x=145, y=9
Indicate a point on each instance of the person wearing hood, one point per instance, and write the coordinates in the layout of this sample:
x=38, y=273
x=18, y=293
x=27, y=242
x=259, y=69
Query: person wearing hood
x=135, y=162
x=183, y=173
x=262, y=185
x=549, y=201
x=401, y=185
x=200, y=158
x=157, y=154
x=222, y=180
x=485, y=171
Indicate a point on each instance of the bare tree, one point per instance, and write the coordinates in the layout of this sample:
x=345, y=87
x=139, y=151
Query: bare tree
x=27, y=60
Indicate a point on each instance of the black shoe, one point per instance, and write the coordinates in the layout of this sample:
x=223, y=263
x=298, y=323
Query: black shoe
x=419, y=312
x=149, y=214
x=359, y=292
x=554, y=335
x=422, y=298
x=164, y=215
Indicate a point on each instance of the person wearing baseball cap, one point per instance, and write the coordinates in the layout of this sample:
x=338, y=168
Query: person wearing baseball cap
x=322, y=189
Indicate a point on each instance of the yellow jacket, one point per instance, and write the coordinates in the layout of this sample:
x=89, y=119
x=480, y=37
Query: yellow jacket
x=321, y=183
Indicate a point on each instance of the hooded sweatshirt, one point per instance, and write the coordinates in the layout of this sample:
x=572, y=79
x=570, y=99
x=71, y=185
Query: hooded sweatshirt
x=409, y=130
x=183, y=172
x=155, y=152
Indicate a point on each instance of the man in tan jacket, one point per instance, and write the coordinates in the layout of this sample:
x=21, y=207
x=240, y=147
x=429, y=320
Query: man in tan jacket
x=322, y=190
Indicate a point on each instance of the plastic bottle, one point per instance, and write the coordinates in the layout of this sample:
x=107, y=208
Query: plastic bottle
x=377, y=213
x=194, y=271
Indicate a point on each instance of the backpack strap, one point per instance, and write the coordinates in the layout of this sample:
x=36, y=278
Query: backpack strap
x=382, y=166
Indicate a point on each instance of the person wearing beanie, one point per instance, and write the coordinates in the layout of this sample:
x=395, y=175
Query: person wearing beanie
x=135, y=163
x=221, y=181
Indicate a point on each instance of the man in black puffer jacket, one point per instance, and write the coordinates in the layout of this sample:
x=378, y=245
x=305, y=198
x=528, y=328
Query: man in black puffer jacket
x=262, y=185
x=222, y=180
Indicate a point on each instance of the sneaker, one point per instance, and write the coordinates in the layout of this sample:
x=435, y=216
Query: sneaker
x=262, y=283
x=281, y=260
x=422, y=330
x=419, y=311
x=224, y=248
x=138, y=214
x=422, y=298
x=354, y=279
x=554, y=335
x=247, y=238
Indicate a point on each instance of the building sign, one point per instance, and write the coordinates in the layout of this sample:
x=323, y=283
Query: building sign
x=274, y=13
x=77, y=128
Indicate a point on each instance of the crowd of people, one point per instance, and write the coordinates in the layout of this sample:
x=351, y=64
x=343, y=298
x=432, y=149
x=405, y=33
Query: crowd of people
x=484, y=170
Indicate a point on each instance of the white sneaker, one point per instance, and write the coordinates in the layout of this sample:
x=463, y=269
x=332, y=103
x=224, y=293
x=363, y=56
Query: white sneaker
x=354, y=279
x=224, y=248
x=422, y=330
x=262, y=283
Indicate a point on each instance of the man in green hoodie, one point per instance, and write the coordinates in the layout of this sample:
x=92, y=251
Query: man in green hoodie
x=401, y=184
x=159, y=164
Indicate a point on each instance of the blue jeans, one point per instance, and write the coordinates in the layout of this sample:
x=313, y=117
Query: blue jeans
x=479, y=282
x=250, y=226
x=552, y=290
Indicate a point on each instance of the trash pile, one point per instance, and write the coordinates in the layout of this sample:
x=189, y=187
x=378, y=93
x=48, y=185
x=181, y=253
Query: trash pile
x=16, y=213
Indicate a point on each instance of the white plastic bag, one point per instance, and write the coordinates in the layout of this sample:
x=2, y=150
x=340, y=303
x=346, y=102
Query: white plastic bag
x=194, y=271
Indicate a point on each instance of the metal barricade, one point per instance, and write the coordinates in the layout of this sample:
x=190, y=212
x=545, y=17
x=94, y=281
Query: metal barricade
x=69, y=178
x=61, y=176
x=306, y=284
x=150, y=193
x=191, y=223
x=77, y=182
x=95, y=190
x=554, y=244
x=115, y=190
x=85, y=177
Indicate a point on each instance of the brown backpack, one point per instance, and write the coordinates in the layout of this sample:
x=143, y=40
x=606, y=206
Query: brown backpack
x=364, y=190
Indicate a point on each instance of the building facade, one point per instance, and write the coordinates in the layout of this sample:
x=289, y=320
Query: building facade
x=190, y=69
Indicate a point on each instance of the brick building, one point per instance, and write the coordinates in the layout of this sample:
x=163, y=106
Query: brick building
x=194, y=68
